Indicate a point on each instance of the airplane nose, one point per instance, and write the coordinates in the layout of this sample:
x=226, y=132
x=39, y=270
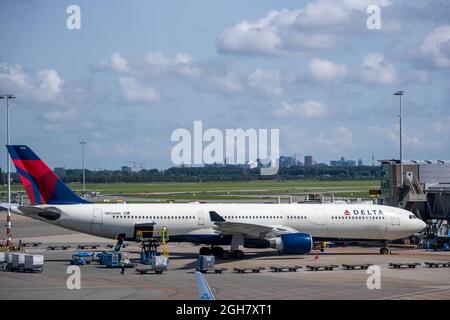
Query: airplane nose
x=420, y=225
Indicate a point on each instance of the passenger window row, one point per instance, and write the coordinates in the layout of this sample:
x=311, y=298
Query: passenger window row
x=252, y=217
x=368, y=218
x=154, y=217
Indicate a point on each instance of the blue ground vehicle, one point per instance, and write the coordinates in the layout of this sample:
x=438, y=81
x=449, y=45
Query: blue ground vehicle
x=81, y=258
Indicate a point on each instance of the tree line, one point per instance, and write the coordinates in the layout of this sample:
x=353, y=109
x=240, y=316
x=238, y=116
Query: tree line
x=199, y=174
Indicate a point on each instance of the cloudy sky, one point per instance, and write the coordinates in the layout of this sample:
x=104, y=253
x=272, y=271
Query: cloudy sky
x=137, y=70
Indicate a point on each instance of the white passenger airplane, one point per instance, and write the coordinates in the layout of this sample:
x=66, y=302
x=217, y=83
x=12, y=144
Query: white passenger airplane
x=288, y=228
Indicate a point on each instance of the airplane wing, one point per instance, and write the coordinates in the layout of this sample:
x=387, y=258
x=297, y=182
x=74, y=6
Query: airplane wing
x=204, y=291
x=246, y=229
x=4, y=206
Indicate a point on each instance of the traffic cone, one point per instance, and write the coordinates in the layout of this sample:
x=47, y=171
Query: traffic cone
x=316, y=257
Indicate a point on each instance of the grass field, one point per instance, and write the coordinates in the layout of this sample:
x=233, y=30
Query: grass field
x=230, y=190
x=253, y=187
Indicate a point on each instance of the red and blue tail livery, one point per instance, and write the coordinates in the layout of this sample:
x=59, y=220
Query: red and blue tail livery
x=40, y=182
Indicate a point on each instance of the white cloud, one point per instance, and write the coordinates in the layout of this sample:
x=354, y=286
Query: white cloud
x=375, y=70
x=323, y=13
x=386, y=134
x=307, y=109
x=416, y=76
x=116, y=62
x=42, y=86
x=436, y=47
x=441, y=126
x=152, y=64
x=135, y=92
x=246, y=37
x=325, y=70
x=158, y=64
x=343, y=137
x=58, y=119
x=123, y=150
x=418, y=139
x=311, y=27
x=267, y=81
x=229, y=83
x=271, y=34
x=60, y=115
x=337, y=141
x=97, y=149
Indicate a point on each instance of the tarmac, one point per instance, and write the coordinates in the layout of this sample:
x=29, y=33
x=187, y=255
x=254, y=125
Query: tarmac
x=99, y=282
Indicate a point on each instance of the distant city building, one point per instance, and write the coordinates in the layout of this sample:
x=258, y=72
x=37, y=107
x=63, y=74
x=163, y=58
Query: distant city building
x=320, y=164
x=360, y=163
x=125, y=169
x=343, y=163
x=309, y=161
x=286, y=162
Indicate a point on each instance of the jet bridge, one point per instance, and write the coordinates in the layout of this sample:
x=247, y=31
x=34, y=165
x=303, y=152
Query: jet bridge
x=425, y=190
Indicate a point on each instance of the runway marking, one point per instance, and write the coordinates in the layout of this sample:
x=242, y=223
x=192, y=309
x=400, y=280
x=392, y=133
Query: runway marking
x=421, y=292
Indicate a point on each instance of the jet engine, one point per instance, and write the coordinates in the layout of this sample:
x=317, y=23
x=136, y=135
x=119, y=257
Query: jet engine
x=292, y=243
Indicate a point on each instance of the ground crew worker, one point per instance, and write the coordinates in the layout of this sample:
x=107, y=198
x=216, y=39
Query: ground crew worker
x=164, y=234
x=122, y=265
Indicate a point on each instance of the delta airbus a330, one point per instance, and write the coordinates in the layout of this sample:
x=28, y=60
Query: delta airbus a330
x=288, y=228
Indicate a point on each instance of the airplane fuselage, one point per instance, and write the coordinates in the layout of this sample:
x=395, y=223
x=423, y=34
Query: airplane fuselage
x=191, y=221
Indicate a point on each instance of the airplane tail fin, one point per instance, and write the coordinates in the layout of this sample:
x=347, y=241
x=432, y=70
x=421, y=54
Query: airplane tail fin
x=204, y=291
x=40, y=182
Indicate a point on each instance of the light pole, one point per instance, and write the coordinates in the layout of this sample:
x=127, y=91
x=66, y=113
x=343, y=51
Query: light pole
x=400, y=94
x=8, y=166
x=83, y=143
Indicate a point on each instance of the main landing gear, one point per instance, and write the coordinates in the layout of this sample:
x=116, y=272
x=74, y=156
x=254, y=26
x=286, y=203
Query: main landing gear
x=219, y=252
x=237, y=240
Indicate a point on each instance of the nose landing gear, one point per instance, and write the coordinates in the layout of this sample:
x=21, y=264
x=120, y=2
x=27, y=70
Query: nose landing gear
x=384, y=249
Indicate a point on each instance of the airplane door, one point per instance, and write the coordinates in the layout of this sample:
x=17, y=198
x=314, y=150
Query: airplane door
x=395, y=222
x=320, y=220
x=321, y=226
x=201, y=218
x=97, y=216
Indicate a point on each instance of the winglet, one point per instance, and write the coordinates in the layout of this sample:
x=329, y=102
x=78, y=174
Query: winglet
x=215, y=217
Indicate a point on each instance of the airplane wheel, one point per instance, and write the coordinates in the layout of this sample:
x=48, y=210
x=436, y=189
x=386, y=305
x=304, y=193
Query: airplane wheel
x=226, y=255
x=239, y=254
x=384, y=251
x=218, y=252
x=205, y=251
